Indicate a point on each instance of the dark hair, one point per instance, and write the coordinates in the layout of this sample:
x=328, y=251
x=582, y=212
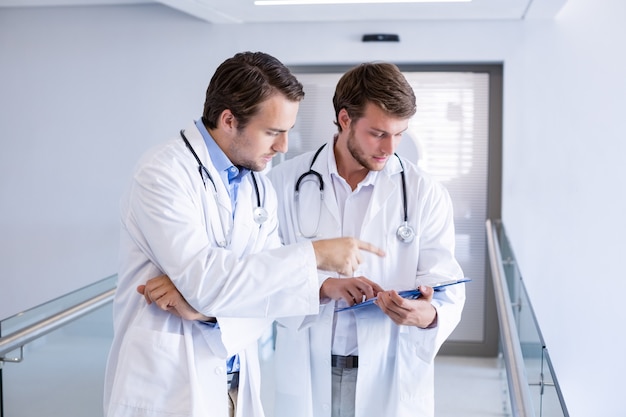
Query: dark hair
x=380, y=83
x=243, y=82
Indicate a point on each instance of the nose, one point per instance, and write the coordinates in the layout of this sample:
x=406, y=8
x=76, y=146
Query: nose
x=388, y=145
x=281, y=144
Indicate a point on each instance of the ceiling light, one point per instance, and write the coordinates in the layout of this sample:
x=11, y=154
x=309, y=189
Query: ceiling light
x=303, y=2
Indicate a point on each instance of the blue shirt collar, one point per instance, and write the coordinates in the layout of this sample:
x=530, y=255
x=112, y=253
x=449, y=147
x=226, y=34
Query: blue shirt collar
x=229, y=173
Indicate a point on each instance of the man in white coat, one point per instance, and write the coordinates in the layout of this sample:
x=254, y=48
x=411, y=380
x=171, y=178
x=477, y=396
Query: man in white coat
x=196, y=211
x=375, y=360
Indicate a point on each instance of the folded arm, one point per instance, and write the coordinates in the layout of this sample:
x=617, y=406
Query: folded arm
x=162, y=292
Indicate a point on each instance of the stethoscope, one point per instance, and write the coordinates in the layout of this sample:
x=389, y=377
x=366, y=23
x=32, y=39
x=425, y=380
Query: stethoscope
x=259, y=213
x=405, y=232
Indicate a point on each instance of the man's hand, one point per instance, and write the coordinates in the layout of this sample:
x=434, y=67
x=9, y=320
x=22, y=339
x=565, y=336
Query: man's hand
x=352, y=290
x=342, y=255
x=162, y=291
x=402, y=311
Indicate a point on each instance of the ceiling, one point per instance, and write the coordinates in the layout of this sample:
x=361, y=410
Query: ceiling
x=244, y=11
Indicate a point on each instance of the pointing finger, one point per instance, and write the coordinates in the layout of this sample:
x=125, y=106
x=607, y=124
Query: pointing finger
x=370, y=248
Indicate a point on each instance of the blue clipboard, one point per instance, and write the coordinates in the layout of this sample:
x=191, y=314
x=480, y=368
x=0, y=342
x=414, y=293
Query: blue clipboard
x=409, y=294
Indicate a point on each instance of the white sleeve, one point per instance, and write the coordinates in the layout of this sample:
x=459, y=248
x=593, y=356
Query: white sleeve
x=167, y=221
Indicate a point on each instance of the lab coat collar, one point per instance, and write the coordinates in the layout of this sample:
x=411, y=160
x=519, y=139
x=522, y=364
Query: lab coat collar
x=386, y=182
x=243, y=224
x=196, y=140
x=325, y=164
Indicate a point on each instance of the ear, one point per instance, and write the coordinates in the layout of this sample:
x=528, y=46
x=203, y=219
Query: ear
x=343, y=118
x=228, y=121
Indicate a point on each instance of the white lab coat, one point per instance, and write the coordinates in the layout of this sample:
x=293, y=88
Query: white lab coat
x=395, y=375
x=160, y=365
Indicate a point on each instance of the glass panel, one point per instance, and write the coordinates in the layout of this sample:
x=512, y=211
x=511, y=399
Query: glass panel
x=546, y=397
x=551, y=400
x=532, y=348
x=62, y=372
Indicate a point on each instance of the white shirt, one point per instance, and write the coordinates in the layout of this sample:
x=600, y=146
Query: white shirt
x=352, y=208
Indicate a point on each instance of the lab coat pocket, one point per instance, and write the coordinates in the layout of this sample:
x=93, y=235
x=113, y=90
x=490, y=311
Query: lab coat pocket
x=423, y=342
x=414, y=380
x=152, y=378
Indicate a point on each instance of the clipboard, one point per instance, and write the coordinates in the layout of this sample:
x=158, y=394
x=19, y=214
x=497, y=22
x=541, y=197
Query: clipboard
x=408, y=294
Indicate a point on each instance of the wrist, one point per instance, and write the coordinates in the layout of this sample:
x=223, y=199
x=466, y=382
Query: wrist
x=433, y=322
x=324, y=297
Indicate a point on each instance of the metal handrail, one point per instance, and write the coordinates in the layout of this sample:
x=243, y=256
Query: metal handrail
x=521, y=404
x=21, y=337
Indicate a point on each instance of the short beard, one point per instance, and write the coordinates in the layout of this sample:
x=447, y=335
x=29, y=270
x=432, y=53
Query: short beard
x=356, y=152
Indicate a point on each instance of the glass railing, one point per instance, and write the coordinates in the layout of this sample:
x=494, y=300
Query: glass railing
x=69, y=338
x=532, y=384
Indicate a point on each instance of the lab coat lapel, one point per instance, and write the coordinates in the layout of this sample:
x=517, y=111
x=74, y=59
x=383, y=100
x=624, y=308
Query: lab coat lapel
x=197, y=142
x=325, y=160
x=387, y=183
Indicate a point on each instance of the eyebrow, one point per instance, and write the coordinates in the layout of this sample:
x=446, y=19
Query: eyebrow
x=386, y=132
x=277, y=130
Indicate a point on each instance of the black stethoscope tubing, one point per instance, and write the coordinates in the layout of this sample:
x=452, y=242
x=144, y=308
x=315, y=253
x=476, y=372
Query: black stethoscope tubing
x=260, y=214
x=405, y=233
x=311, y=171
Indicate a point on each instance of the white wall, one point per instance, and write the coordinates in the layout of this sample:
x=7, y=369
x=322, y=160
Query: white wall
x=83, y=91
x=564, y=194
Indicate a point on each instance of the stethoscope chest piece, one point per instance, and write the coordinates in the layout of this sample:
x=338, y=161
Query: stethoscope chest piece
x=260, y=215
x=405, y=233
